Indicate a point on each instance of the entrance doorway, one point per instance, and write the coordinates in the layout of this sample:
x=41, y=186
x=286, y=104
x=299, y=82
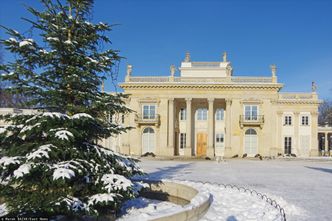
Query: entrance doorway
x=250, y=142
x=148, y=140
x=201, y=144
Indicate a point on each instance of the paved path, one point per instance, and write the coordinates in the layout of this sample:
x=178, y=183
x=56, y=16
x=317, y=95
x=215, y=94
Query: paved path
x=303, y=186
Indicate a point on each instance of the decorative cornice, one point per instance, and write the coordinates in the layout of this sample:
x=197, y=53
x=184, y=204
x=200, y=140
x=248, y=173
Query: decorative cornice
x=298, y=102
x=203, y=86
x=251, y=100
x=147, y=100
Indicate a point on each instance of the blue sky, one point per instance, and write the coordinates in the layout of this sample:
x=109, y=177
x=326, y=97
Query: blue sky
x=152, y=35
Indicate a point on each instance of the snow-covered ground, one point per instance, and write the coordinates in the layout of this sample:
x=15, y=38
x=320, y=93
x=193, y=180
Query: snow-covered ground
x=302, y=187
x=141, y=208
x=226, y=204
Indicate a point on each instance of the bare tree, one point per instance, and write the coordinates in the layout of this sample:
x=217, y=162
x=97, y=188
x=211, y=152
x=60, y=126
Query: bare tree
x=325, y=113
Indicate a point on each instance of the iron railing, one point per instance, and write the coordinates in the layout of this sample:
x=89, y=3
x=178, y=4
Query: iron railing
x=150, y=120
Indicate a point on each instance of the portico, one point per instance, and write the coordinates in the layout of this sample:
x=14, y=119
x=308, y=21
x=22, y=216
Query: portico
x=198, y=120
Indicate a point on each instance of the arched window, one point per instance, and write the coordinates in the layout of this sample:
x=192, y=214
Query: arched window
x=220, y=114
x=183, y=114
x=148, y=130
x=202, y=114
x=251, y=132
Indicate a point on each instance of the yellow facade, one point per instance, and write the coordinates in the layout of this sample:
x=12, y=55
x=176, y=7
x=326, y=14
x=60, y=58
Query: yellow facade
x=251, y=114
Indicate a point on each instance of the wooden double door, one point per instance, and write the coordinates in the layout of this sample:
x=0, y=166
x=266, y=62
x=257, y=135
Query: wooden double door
x=201, y=144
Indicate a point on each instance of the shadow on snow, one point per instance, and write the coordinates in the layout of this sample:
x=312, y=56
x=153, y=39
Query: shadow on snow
x=321, y=169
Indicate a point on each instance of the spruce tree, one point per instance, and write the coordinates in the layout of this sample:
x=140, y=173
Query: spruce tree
x=50, y=161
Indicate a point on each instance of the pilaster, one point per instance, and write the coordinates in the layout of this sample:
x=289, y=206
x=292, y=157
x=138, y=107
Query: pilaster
x=326, y=146
x=210, y=150
x=188, y=150
x=228, y=128
x=314, y=134
x=171, y=124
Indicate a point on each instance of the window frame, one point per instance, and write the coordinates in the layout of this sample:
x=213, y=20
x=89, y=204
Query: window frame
x=183, y=114
x=183, y=137
x=251, y=116
x=201, y=114
x=219, y=115
x=304, y=120
x=288, y=120
x=220, y=138
x=149, y=116
x=288, y=142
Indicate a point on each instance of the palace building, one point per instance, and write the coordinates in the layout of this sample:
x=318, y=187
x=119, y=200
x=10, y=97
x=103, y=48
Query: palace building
x=207, y=111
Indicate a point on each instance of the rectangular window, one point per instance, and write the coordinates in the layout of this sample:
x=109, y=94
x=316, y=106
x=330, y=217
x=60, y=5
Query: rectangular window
x=149, y=111
x=288, y=145
x=288, y=120
x=110, y=118
x=251, y=112
x=305, y=120
x=182, y=140
x=201, y=114
x=219, y=138
x=183, y=114
x=220, y=114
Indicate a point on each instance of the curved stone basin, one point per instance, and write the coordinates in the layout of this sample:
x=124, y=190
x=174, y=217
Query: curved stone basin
x=195, y=204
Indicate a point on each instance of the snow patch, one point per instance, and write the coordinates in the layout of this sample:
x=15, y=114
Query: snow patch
x=5, y=161
x=26, y=42
x=115, y=182
x=29, y=127
x=92, y=60
x=41, y=152
x=68, y=42
x=23, y=169
x=3, y=210
x=63, y=134
x=2, y=130
x=72, y=203
x=52, y=38
x=80, y=115
x=101, y=198
x=43, y=51
x=140, y=208
x=55, y=115
x=63, y=173
x=7, y=74
x=12, y=40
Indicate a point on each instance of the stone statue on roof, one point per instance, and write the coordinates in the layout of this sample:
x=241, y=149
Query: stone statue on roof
x=172, y=69
x=187, y=58
x=273, y=70
x=129, y=69
x=224, y=57
x=313, y=86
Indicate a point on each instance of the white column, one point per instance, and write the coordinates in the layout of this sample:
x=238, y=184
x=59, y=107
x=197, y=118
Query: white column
x=326, y=143
x=210, y=150
x=228, y=145
x=188, y=150
x=171, y=123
